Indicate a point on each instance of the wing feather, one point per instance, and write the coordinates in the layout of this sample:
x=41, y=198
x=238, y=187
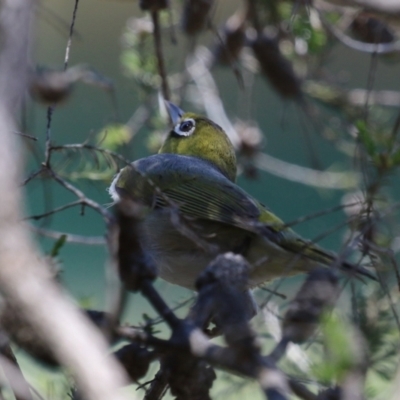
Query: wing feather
x=200, y=191
x=194, y=185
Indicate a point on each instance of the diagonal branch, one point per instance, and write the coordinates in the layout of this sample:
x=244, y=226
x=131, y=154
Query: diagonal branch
x=159, y=54
x=81, y=196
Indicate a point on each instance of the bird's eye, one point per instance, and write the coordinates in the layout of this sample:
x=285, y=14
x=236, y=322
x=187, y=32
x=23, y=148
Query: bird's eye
x=184, y=128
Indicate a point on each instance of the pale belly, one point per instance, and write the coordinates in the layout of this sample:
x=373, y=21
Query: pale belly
x=180, y=260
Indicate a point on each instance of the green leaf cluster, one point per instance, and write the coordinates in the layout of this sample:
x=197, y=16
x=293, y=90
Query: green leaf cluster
x=380, y=145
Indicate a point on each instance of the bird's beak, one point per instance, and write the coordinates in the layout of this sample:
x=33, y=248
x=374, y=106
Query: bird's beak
x=174, y=112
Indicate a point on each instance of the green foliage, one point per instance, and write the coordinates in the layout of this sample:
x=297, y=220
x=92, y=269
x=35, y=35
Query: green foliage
x=381, y=332
x=58, y=246
x=380, y=144
x=339, y=350
x=365, y=137
x=302, y=27
x=114, y=136
x=138, y=58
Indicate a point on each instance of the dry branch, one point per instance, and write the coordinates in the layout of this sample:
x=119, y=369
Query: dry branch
x=24, y=277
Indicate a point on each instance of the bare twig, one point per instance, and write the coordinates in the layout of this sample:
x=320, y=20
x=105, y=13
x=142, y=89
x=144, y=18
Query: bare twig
x=158, y=386
x=34, y=138
x=56, y=210
x=158, y=303
x=56, y=21
x=347, y=100
x=377, y=48
x=50, y=109
x=78, y=146
x=47, y=153
x=71, y=32
x=69, y=237
x=320, y=213
x=305, y=175
x=32, y=176
x=159, y=55
x=81, y=196
x=208, y=93
x=370, y=83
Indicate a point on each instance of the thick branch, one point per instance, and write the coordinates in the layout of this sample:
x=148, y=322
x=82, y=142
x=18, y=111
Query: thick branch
x=24, y=278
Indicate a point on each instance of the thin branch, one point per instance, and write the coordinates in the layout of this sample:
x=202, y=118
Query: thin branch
x=71, y=33
x=81, y=196
x=305, y=175
x=56, y=21
x=50, y=109
x=32, y=176
x=47, y=152
x=350, y=244
x=78, y=146
x=140, y=336
x=158, y=386
x=349, y=101
x=320, y=213
x=370, y=83
x=377, y=48
x=27, y=136
x=159, y=55
x=55, y=210
x=159, y=320
x=159, y=304
x=199, y=70
x=69, y=237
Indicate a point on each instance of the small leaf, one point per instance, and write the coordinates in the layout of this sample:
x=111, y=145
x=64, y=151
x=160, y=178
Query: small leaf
x=343, y=352
x=146, y=317
x=114, y=136
x=58, y=245
x=365, y=138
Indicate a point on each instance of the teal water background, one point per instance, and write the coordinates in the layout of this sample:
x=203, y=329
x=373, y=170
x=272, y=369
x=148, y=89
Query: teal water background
x=100, y=24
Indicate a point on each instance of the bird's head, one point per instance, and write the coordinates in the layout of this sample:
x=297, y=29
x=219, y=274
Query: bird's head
x=197, y=136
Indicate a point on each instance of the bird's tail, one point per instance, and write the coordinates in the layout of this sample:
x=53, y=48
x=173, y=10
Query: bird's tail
x=316, y=253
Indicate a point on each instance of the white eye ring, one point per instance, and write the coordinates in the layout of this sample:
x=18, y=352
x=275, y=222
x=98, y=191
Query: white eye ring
x=185, y=127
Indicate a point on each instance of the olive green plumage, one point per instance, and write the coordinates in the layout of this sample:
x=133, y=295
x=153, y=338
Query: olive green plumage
x=208, y=142
x=195, y=209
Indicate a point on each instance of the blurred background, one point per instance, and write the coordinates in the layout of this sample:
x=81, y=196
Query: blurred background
x=311, y=161
x=100, y=41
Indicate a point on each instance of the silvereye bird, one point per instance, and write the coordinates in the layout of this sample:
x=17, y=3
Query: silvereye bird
x=196, y=210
